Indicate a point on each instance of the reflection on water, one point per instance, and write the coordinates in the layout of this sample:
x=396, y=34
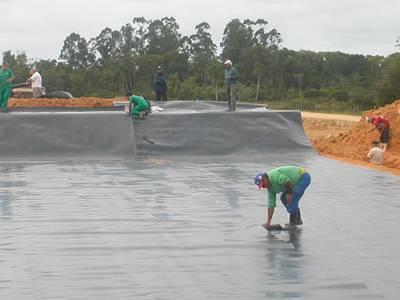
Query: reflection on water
x=5, y=204
x=285, y=270
x=163, y=231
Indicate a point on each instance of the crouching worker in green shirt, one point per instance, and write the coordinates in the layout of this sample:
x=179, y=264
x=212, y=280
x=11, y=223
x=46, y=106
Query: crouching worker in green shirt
x=291, y=182
x=140, y=105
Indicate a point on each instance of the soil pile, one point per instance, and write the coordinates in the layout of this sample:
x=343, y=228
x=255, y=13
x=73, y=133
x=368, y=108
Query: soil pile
x=87, y=102
x=356, y=143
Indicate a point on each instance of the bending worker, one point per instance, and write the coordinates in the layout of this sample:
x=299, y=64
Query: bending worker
x=382, y=125
x=291, y=181
x=140, y=105
x=6, y=77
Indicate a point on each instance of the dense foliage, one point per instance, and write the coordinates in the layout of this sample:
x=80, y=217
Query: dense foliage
x=119, y=60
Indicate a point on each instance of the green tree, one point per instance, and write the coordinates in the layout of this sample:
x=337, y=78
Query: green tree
x=390, y=86
x=299, y=77
x=76, y=53
x=174, y=83
x=107, y=44
x=18, y=63
x=162, y=36
x=54, y=74
x=237, y=38
x=340, y=95
x=201, y=50
x=252, y=47
x=215, y=71
x=127, y=43
x=140, y=29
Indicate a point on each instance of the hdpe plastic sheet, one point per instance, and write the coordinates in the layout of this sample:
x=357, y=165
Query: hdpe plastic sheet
x=240, y=134
x=38, y=136
x=162, y=230
x=168, y=227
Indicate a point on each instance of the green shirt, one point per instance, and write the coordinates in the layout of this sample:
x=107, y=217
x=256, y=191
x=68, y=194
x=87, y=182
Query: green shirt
x=4, y=76
x=138, y=101
x=278, y=178
x=231, y=76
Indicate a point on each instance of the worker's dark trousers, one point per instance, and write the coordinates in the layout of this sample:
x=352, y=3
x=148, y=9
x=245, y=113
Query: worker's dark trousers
x=161, y=95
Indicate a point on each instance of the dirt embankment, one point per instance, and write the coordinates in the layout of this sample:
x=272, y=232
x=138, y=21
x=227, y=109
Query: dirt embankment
x=87, y=102
x=351, y=141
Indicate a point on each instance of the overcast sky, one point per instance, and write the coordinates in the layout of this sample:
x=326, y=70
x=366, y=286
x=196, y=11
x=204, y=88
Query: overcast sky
x=40, y=27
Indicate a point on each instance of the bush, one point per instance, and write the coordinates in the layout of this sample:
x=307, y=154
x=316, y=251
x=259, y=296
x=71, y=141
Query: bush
x=362, y=98
x=340, y=95
x=314, y=93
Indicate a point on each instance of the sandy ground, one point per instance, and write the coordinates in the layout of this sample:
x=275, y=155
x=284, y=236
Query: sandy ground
x=326, y=130
x=312, y=115
x=319, y=125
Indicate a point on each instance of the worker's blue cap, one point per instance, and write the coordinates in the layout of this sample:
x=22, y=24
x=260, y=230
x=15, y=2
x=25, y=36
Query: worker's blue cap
x=258, y=180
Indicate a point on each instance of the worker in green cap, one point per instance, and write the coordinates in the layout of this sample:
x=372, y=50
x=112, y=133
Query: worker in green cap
x=6, y=77
x=140, y=105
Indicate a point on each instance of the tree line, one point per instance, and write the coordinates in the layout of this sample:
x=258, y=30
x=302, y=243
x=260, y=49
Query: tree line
x=119, y=60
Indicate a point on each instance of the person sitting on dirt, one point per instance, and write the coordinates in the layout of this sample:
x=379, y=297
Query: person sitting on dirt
x=140, y=105
x=375, y=155
x=291, y=181
x=383, y=126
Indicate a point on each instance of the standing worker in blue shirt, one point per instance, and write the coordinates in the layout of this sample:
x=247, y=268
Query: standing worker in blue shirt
x=6, y=77
x=291, y=181
x=231, y=75
x=160, y=84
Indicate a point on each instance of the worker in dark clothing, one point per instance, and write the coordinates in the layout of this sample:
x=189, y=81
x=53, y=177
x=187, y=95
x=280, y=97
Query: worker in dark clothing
x=160, y=85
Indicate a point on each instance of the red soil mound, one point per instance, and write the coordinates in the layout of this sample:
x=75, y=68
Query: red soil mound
x=88, y=102
x=356, y=143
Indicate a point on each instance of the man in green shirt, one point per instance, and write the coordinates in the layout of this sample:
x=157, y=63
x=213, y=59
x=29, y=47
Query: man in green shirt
x=291, y=182
x=140, y=105
x=6, y=77
x=231, y=75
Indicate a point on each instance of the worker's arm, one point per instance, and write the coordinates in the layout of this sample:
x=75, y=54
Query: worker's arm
x=270, y=213
x=11, y=78
x=271, y=208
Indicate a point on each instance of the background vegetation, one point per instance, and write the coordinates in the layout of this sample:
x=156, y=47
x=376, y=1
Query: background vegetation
x=119, y=60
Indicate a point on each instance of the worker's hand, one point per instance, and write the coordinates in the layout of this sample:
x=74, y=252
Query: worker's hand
x=289, y=198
